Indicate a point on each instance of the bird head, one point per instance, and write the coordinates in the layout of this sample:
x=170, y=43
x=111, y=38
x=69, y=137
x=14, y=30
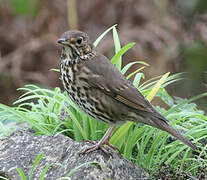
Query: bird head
x=76, y=44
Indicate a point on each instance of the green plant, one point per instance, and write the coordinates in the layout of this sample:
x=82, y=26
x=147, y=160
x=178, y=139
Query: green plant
x=25, y=7
x=37, y=160
x=21, y=173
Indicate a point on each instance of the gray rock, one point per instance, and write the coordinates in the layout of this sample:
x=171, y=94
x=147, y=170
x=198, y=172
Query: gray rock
x=21, y=148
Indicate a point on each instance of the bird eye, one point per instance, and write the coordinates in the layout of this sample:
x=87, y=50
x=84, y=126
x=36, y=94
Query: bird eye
x=79, y=40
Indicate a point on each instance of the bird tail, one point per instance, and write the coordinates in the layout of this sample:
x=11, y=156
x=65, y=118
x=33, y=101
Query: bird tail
x=163, y=125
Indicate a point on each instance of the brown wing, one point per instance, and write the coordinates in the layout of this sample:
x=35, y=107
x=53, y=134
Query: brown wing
x=106, y=77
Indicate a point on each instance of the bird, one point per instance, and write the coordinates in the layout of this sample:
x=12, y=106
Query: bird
x=98, y=88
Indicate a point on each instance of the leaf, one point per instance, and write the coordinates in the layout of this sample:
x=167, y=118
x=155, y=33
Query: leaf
x=117, y=47
x=96, y=42
x=46, y=168
x=80, y=166
x=126, y=67
x=121, y=52
x=37, y=160
x=136, y=71
x=120, y=133
x=56, y=70
x=21, y=173
x=3, y=178
x=153, y=92
x=137, y=79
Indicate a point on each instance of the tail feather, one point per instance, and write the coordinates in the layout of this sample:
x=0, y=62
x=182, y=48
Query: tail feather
x=163, y=125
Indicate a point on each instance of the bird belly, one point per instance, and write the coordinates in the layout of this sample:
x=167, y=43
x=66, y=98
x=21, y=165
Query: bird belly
x=92, y=100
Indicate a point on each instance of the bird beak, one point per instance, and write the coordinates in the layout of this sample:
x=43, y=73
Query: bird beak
x=61, y=41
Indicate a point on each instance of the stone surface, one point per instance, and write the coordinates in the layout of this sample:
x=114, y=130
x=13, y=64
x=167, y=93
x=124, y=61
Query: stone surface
x=21, y=148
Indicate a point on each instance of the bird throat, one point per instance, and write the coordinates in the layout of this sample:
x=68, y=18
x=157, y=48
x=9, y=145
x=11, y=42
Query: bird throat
x=70, y=56
x=68, y=53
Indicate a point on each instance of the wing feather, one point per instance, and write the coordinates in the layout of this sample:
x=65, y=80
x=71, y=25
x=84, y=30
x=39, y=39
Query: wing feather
x=107, y=78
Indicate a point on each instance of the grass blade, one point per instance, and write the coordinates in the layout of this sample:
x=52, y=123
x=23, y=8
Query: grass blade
x=80, y=166
x=21, y=173
x=37, y=160
x=46, y=168
x=136, y=71
x=96, y=42
x=153, y=92
x=137, y=79
x=121, y=52
x=120, y=133
x=117, y=46
x=3, y=178
x=55, y=70
x=126, y=67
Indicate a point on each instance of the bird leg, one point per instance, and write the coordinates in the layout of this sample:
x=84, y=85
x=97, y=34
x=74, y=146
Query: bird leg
x=100, y=145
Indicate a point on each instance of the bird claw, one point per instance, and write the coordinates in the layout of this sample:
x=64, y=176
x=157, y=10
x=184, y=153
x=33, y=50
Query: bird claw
x=96, y=145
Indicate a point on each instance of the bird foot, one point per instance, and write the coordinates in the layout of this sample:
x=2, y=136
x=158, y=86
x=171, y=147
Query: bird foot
x=98, y=145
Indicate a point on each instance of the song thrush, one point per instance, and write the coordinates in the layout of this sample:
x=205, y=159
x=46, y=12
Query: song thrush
x=100, y=90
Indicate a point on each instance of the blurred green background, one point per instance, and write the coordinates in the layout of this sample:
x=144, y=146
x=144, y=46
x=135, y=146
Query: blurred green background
x=170, y=35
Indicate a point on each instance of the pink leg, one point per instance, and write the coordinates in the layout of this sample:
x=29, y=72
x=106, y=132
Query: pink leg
x=100, y=145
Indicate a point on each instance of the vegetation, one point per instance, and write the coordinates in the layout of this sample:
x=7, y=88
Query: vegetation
x=51, y=112
x=37, y=160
